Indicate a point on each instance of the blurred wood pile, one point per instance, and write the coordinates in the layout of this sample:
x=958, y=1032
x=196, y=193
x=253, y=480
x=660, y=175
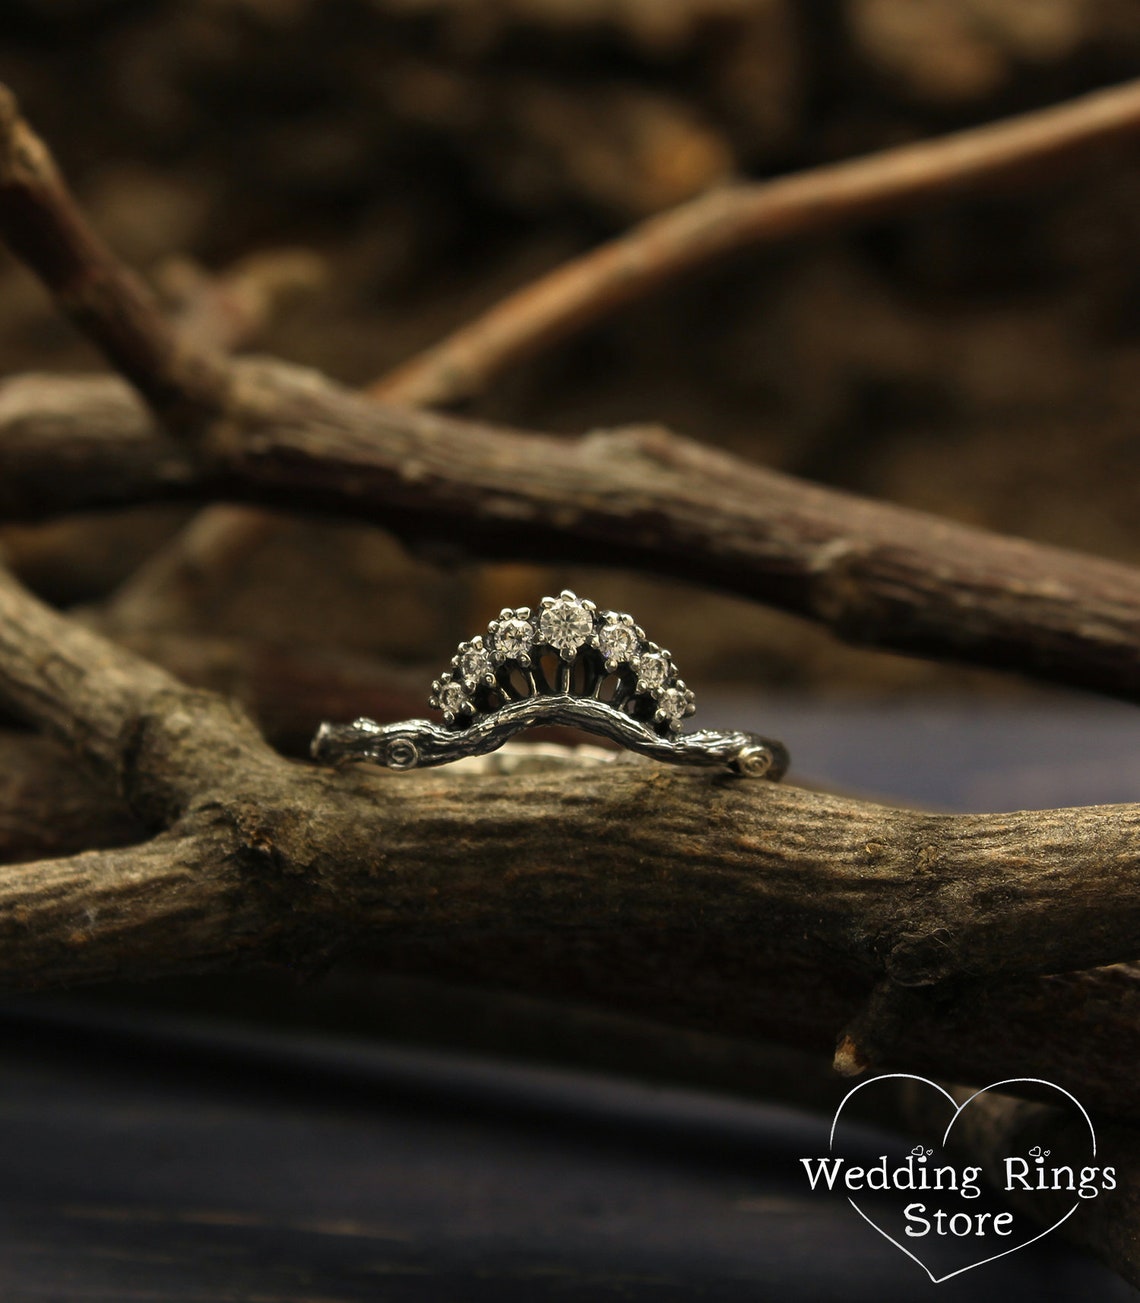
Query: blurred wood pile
x=340, y=182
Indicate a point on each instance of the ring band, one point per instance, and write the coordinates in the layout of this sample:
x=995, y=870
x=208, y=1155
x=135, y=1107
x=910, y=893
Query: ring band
x=565, y=663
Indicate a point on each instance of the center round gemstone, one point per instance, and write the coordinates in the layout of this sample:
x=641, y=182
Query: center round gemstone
x=565, y=625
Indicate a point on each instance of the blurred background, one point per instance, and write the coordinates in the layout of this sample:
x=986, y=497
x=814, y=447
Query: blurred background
x=341, y=182
x=393, y=166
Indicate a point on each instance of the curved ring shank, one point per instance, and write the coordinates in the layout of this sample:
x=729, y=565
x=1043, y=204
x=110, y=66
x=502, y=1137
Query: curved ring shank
x=418, y=743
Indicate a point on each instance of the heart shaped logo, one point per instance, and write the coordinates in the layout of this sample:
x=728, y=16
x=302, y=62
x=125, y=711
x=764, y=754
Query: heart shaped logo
x=940, y=1214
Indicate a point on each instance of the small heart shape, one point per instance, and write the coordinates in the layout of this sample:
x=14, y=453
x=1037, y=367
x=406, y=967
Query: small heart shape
x=921, y=1153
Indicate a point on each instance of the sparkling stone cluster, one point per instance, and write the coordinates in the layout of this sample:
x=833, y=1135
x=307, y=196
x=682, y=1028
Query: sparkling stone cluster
x=568, y=625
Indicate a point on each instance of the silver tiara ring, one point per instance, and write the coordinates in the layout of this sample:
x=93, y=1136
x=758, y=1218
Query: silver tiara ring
x=565, y=663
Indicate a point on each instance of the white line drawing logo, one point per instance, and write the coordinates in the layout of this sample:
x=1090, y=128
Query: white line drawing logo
x=1030, y=1173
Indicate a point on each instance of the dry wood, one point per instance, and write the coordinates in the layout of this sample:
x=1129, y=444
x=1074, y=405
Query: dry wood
x=42, y=224
x=50, y=806
x=692, y=896
x=588, y=288
x=801, y=875
x=873, y=573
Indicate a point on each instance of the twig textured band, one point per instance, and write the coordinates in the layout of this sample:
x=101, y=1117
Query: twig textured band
x=566, y=663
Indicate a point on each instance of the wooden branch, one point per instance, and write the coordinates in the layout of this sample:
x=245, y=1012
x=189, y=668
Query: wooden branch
x=873, y=573
x=50, y=806
x=113, y=913
x=86, y=920
x=138, y=727
x=68, y=444
x=659, y=250
x=919, y=897
x=43, y=225
x=878, y=575
x=227, y=311
x=1080, y=1030
x=741, y=908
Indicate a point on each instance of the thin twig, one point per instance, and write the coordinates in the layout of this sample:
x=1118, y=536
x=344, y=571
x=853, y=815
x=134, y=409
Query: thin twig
x=43, y=225
x=582, y=291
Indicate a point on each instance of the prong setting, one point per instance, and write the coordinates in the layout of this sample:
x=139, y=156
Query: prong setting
x=608, y=679
x=592, y=647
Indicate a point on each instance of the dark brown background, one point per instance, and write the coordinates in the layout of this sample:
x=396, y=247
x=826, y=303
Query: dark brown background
x=978, y=359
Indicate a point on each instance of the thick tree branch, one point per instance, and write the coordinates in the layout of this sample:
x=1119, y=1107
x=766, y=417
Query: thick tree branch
x=1080, y=1030
x=873, y=573
x=159, y=742
x=50, y=806
x=921, y=898
x=71, y=443
x=115, y=913
x=580, y=292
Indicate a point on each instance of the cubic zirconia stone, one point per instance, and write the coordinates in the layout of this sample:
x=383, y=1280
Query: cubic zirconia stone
x=617, y=642
x=474, y=663
x=672, y=703
x=453, y=698
x=565, y=625
x=514, y=638
x=653, y=670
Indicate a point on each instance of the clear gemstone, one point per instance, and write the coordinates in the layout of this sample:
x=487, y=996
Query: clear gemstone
x=672, y=703
x=514, y=638
x=453, y=698
x=565, y=625
x=474, y=663
x=617, y=642
x=653, y=670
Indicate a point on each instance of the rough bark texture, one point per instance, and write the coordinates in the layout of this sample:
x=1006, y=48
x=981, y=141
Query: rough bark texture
x=875, y=574
x=49, y=805
x=709, y=900
x=920, y=897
